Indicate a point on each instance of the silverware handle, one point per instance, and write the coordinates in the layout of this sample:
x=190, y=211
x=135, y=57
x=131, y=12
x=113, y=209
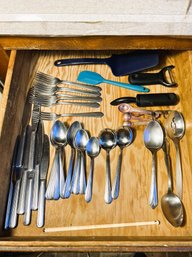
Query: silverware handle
x=153, y=198
x=67, y=187
x=116, y=184
x=21, y=202
x=83, y=114
x=93, y=105
x=108, y=196
x=53, y=188
x=76, y=173
x=36, y=188
x=93, y=99
x=41, y=204
x=86, y=92
x=28, y=203
x=82, y=177
x=61, y=171
x=13, y=214
x=81, y=85
x=179, y=175
x=9, y=204
x=88, y=191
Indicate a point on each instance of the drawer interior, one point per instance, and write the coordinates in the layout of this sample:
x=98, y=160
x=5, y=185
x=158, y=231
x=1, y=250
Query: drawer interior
x=132, y=204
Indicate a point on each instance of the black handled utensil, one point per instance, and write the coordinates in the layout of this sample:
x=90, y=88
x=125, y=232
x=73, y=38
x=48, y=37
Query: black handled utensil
x=163, y=77
x=120, y=64
x=144, y=100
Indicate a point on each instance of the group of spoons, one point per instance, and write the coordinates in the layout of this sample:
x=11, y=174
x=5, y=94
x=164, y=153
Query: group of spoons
x=61, y=185
x=155, y=139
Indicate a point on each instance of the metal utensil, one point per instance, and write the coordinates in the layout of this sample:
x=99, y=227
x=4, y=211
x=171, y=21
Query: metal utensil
x=107, y=140
x=55, y=116
x=92, y=150
x=57, y=179
x=80, y=142
x=48, y=101
x=153, y=139
x=120, y=64
x=75, y=126
x=95, y=79
x=175, y=128
x=171, y=204
x=124, y=137
x=47, y=89
x=43, y=176
x=51, y=80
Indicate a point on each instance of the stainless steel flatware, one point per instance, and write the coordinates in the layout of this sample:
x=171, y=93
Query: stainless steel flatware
x=153, y=139
x=175, y=128
x=107, y=140
x=124, y=137
x=171, y=204
x=51, y=90
x=51, y=80
x=43, y=176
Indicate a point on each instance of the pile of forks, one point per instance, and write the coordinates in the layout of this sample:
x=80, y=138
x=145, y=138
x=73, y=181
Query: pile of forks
x=46, y=91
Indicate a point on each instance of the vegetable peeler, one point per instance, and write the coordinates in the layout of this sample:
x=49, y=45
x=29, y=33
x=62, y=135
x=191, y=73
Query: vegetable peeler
x=163, y=77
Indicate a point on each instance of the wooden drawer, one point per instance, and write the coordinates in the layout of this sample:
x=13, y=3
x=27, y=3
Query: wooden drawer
x=132, y=204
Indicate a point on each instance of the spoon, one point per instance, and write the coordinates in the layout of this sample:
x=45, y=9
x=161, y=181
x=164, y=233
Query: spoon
x=80, y=142
x=107, y=140
x=124, y=138
x=75, y=126
x=171, y=204
x=175, y=128
x=93, y=150
x=56, y=182
x=153, y=139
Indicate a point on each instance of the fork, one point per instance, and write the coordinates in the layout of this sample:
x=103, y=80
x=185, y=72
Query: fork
x=50, y=89
x=53, y=100
x=54, y=116
x=51, y=80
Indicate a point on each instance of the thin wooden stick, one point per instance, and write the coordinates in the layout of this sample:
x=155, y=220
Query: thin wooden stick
x=87, y=227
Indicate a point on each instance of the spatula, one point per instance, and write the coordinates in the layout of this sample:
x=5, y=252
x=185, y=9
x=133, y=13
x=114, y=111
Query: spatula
x=121, y=64
x=94, y=78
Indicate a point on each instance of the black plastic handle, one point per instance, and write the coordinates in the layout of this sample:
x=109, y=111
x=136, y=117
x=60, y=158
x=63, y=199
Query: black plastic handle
x=77, y=61
x=144, y=100
x=145, y=78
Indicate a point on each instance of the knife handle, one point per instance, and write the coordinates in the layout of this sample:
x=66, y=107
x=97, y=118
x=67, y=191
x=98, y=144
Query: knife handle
x=41, y=205
x=9, y=204
x=13, y=214
x=21, y=201
x=28, y=200
x=35, y=189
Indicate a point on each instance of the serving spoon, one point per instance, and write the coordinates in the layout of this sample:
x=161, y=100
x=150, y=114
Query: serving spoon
x=171, y=204
x=153, y=139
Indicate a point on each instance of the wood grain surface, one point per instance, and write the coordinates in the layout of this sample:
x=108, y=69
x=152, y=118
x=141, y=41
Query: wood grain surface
x=132, y=204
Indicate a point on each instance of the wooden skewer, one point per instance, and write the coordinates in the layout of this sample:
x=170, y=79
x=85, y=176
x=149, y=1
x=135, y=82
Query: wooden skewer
x=87, y=227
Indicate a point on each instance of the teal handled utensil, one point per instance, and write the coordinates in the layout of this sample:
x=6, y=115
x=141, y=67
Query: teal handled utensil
x=94, y=78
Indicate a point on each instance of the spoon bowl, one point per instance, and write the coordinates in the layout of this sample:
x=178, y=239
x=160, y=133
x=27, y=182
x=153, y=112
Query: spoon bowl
x=172, y=208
